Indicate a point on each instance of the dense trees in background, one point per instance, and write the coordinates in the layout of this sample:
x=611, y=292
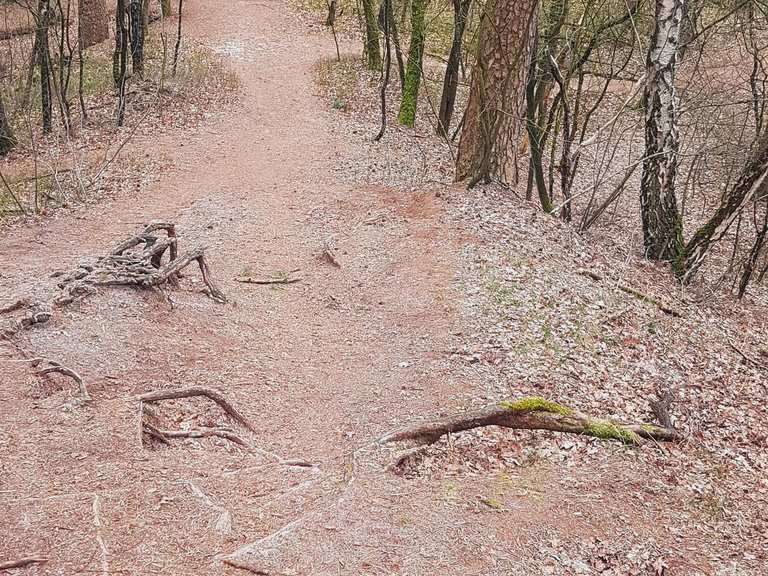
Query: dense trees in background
x=600, y=102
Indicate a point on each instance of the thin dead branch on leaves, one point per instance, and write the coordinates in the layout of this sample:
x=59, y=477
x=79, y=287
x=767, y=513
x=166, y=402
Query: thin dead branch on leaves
x=138, y=261
x=531, y=413
x=35, y=313
x=632, y=292
x=14, y=305
x=748, y=359
x=277, y=279
x=56, y=368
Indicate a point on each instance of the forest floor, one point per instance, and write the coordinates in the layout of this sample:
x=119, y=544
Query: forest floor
x=415, y=298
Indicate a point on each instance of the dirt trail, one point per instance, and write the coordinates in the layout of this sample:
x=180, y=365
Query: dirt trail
x=323, y=367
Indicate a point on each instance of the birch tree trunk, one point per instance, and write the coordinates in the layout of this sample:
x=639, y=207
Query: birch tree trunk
x=662, y=226
x=494, y=121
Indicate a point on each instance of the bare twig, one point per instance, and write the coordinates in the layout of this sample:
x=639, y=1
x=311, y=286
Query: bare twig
x=251, y=280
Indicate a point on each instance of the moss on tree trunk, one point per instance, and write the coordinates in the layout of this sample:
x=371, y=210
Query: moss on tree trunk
x=372, y=54
x=410, y=97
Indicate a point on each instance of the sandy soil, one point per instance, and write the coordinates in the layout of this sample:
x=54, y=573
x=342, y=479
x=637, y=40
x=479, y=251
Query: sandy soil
x=323, y=367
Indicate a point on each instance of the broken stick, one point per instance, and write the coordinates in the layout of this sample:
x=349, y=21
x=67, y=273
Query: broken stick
x=533, y=413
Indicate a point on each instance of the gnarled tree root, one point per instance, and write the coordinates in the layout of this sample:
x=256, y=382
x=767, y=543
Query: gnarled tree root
x=148, y=421
x=55, y=367
x=533, y=413
x=137, y=261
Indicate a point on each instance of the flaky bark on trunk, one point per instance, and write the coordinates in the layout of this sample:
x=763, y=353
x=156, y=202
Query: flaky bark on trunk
x=94, y=22
x=662, y=226
x=372, y=54
x=493, y=122
x=752, y=183
x=137, y=37
x=451, y=79
x=410, y=98
x=533, y=413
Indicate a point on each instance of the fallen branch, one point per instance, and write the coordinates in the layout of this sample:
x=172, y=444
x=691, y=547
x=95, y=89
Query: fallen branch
x=199, y=391
x=633, y=292
x=56, y=368
x=244, y=566
x=533, y=413
x=251, y=280
x=21, y=562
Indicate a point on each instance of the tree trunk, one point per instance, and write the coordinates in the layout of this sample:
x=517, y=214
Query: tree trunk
x=94, y=24
x=751, y=184
x=662, y=225
x=372, y=54
x=451, y=80
x=137, y=37
x=44, y=63
x=410, y=97
x=7, y=139
x=493, y=121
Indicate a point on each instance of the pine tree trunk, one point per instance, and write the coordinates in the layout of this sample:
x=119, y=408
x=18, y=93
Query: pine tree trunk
x=662, y=226
x=451, y=80
x=7, y=139
x=410, y=96
x=494, y=122
x=372, y=54
x=94, y=24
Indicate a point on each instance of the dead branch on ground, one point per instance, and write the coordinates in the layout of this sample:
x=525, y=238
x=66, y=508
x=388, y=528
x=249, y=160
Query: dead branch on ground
x=138, y=261
x=266, y=281
x=35, y=313
x=21, y=562
x=533, y=413
x=633, y=292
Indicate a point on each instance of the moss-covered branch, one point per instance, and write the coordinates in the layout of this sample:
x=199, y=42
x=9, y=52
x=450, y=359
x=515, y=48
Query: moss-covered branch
x=534, y=413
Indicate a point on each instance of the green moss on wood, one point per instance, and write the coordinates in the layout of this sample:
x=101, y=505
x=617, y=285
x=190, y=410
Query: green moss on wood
x=372, y=53
x=607, y=430
x=535, y=404
x=407, y=115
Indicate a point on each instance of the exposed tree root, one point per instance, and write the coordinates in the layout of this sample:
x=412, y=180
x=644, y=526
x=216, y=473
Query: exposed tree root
x=14, y=305
x=199, y=391
x=149, y=423
x=21, y=562
x=55, y=367
x=137, y=261
x=35, y=313
x=633, y=292
x=533, y=414
x=245, y=566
